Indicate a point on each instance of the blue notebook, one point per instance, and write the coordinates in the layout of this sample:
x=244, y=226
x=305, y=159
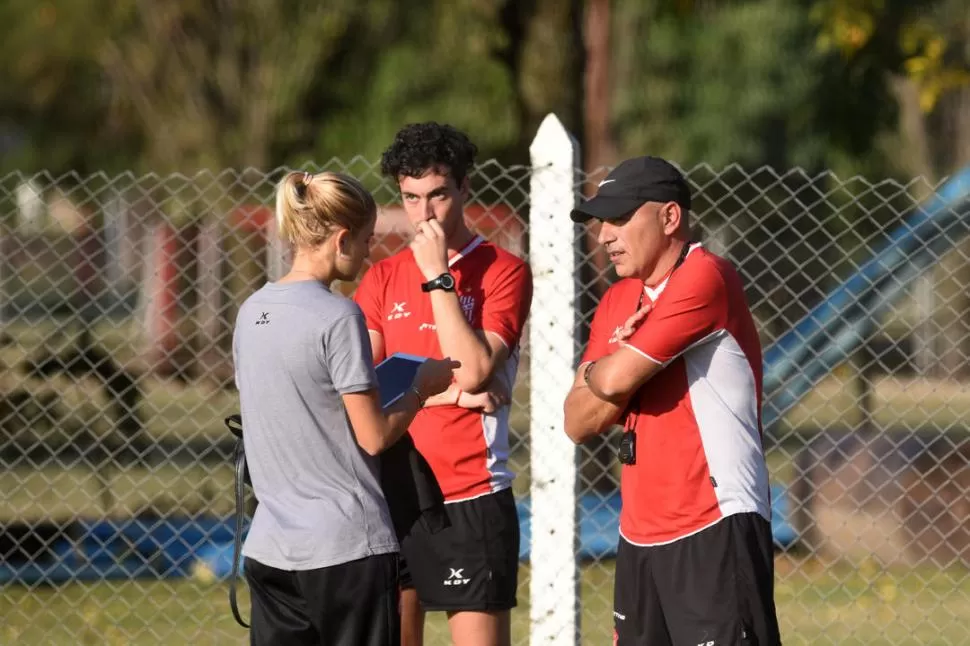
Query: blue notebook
x=395, y=375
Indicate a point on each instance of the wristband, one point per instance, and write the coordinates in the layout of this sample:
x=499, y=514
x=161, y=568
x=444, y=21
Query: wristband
x=586, y=372
x=417, y=393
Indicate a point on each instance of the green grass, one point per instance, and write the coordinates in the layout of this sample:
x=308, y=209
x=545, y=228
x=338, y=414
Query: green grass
x=866, y=606
x=816, y=605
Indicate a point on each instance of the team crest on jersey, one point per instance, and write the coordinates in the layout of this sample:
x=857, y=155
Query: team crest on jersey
x=467, y=306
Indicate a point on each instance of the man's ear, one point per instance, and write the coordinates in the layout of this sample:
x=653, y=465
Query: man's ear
x=465, y=188
x=672, y=216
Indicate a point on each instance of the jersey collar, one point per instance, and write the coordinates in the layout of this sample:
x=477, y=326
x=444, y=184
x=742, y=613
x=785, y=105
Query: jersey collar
x=653, y=293
x=467, y=249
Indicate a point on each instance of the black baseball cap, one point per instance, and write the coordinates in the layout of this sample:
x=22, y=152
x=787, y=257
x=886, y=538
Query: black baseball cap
x=632, y=184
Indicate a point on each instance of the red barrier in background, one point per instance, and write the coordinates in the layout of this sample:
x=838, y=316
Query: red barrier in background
x=168, y=258
x=163, y=291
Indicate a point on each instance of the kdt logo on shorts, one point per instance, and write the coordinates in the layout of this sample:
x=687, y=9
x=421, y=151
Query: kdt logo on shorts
x=456, y=577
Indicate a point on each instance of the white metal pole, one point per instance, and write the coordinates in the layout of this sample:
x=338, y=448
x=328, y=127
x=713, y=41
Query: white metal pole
x=552, y=237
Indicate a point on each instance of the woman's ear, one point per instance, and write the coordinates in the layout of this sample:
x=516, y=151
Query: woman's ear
x=342, y=239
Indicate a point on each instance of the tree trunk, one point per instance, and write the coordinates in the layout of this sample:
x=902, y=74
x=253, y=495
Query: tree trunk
x=913, y=132
x=954, y=144
x=598, y=458
x=599, y=149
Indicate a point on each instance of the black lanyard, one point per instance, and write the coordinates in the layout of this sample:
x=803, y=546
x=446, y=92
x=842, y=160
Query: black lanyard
x=680, y=260
x=630, y=422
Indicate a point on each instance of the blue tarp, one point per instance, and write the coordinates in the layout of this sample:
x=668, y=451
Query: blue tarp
x=179, y=547
x=598, y=530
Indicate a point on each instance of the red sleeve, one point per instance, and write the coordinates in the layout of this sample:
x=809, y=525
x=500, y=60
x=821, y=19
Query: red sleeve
x=370, y=298
x=600, y=329
x=506, y=305
x=690, y=310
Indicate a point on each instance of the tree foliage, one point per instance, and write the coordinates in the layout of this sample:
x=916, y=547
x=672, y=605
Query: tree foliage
x=91, y=84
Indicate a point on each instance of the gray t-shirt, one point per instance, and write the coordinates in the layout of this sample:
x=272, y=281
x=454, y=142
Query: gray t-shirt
x=297, y=347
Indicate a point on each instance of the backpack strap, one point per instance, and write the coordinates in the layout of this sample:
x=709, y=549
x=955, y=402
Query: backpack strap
x=234, y=422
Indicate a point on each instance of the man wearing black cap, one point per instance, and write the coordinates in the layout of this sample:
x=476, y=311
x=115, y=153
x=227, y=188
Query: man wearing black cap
x=674, y=356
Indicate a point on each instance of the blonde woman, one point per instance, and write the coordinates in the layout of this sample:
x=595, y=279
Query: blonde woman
x=321, y=553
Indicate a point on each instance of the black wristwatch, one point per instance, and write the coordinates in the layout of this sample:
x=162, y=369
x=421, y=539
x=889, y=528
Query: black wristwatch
x=445, y=281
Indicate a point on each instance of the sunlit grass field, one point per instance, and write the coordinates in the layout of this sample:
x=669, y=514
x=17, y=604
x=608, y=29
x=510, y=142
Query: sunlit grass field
x=816, y=605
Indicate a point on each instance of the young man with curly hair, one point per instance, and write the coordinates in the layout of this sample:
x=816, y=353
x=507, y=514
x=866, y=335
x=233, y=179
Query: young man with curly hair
x=452, y=293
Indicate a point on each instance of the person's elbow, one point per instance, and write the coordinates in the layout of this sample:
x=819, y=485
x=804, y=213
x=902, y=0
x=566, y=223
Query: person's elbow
x=474, y=377
x=574, y=422
x=373, y=444
x=372, y=447
x=370, y=427
x=578, y=434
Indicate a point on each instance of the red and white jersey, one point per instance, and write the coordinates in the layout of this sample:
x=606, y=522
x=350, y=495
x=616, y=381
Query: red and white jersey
x=699, y=449
x=468, y=450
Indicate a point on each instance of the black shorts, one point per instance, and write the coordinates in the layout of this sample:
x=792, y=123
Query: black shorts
x=352, y=604
x=471, y=565
x=714, y=587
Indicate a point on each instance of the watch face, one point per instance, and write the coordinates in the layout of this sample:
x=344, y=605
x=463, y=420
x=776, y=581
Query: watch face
x=447, y=281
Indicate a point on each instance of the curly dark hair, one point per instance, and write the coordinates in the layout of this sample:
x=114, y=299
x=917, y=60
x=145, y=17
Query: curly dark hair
x=420, y=147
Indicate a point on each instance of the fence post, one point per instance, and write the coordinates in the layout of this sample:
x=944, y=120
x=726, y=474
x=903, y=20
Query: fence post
x=554, y=609
x=277, y=256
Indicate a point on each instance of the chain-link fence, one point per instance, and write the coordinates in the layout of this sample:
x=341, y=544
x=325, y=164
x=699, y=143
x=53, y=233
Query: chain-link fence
x=118, y=299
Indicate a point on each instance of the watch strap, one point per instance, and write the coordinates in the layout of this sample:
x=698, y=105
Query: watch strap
x=445, y=282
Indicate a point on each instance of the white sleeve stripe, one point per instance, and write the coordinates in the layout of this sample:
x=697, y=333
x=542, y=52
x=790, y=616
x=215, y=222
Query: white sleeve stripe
x=641, y=353
x=699, y=342
x=499, y=337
